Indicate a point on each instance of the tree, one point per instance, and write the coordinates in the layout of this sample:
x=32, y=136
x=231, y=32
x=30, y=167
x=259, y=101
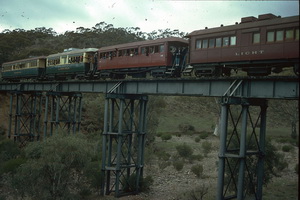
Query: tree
x=289, y=112
x=54, y=169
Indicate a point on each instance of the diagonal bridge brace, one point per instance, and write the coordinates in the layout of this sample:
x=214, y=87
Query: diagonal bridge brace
x=242, y=148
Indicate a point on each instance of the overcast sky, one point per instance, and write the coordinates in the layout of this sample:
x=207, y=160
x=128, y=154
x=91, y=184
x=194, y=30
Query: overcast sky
x=148, y=15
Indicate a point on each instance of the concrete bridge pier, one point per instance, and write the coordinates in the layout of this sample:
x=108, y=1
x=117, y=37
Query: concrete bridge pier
x=242, y=148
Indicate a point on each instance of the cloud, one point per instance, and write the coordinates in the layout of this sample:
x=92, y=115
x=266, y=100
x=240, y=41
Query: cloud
x=148, y=15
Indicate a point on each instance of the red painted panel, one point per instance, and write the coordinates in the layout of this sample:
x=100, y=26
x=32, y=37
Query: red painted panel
x=156, y=59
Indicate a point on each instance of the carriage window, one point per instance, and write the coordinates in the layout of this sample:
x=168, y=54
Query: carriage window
x=211, y=43
x=279, y=35
x=54, y=62
x=8, y=67
x=204, y=43
x=33, y=63
x=218, y=42
x=297, y=34
x=75, y=59
x=132, y=52
x=145, y=50
x=161, y=48
x=270, y=36
x=198, y=44
x=256, y=38
x=64, y=60
x=151, y=49
x=126, y=52
x=225, y=41
x=232, y=40
x=120, y=53
x=289, y=34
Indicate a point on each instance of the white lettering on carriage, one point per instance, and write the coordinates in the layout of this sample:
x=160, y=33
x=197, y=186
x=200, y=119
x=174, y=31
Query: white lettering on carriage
x=247, y=53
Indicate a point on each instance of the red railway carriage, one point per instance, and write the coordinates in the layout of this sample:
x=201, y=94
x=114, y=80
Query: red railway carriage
x=158, y=57
x=256, y=45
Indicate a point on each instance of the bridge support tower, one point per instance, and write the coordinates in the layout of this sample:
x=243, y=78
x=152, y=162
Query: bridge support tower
x=123, y=143
x=25, y=116
x=242, y=148
x=62, y=112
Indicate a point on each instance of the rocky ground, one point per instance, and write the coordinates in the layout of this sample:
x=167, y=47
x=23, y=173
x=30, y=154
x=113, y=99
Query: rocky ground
x=170, y=184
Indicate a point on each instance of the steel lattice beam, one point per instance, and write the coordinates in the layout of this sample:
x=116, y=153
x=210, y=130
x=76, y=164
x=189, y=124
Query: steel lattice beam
x=62, y=112
x=242, y=149
x=24, y=116
x=123, y=143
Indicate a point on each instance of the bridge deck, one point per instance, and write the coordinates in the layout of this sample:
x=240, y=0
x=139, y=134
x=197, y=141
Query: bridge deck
x=267, y=87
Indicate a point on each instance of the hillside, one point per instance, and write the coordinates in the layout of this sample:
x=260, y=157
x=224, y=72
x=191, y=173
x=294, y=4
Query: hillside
x=173, y=121
x=201, y=116
x=191, y=121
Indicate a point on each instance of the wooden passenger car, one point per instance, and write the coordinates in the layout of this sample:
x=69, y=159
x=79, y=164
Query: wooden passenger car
x=138, y=58
x=24, y=69
x=73, y=63
x=257, y=45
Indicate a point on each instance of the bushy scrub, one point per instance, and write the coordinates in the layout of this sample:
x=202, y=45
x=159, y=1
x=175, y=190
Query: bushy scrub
x=287, y=148
x=166, y=136
x=178, y=164
x=130, y=184
x=184, y=150
x=207, y=147
x=10, y=156
x=54, y=168
x=197, y=170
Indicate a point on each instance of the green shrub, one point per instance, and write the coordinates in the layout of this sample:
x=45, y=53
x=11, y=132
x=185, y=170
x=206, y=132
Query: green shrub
x=178, y=164
x=282, y=163
x=2, y=132
x=184, y=150
x=164, y=164
x=11, y=165
x=287, y=140
x=8, y=150
x=162, y=155
x=57, y=167
x=186, y=128
x=166, y=136
x=178, y=134
x=196, y=193
x=85, y=192
x=197, y=139
x=93, y=174
x=204, y=134
x=198, y=157
x=197, y=170
x=287, y=148
x=207, y=147
x=159, y=134
x=130, y=184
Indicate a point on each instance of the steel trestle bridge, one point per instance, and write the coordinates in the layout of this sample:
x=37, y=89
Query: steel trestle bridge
x=58, y=105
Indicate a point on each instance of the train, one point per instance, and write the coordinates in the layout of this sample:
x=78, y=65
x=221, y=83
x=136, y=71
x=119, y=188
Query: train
x=258, y=46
